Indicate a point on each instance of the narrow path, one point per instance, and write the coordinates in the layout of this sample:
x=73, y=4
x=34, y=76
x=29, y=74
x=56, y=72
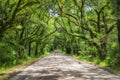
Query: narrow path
x=59, y=67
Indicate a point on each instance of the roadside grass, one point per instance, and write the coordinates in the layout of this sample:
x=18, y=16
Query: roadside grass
x=7, y=72
x=115, y=69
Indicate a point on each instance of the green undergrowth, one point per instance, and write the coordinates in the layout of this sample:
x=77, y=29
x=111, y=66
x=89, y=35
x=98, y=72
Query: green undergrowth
x=6, y=71
x=111, y=67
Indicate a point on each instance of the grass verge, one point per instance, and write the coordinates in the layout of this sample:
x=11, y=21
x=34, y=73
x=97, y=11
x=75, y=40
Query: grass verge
x=7, y=72
x=115, y=69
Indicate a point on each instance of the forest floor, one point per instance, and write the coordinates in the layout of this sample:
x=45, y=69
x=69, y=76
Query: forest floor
x=57, y=66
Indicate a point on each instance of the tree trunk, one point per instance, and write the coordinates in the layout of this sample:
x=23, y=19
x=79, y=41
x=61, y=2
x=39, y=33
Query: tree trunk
x=19, y=53
x=68, y=50
x=117, y=12
x=2, y=30
x=36, y=49
x=29, y=49
x=1, y=35
x=102, y=50
x=118, y=28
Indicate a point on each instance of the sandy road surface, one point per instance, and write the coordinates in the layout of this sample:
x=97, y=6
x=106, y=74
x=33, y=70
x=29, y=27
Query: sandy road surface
x=59, y=67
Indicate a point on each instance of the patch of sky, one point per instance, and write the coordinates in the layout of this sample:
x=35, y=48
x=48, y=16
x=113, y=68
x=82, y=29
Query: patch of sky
x=52, y=13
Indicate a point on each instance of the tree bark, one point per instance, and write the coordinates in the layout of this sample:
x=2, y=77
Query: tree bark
x=103, y=48
x=118, y=28
x=36, y=49
x=68, y=50
x=118, y=21
x=29, y=49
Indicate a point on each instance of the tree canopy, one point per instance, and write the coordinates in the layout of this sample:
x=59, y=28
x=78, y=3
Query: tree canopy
x=89, y=28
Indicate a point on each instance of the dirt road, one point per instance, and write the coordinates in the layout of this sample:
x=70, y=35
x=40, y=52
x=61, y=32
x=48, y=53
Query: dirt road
x=60, y=67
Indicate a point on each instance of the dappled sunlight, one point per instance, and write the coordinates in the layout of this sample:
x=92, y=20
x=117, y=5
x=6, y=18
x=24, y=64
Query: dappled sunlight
x=87, y=29
x=59, y=67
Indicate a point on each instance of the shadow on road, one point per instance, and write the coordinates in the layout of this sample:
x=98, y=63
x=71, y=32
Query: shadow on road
x=60, y=67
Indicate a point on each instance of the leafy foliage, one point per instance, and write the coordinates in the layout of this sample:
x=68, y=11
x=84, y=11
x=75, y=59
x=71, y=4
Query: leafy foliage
x=86, y=28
